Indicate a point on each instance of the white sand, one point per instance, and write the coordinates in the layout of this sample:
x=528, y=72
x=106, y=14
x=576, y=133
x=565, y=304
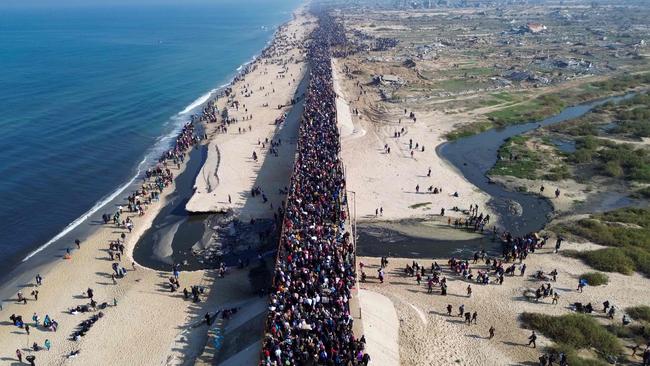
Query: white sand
x=230, y=168
x=442, y=340
x=389, y=180
x=380, y=327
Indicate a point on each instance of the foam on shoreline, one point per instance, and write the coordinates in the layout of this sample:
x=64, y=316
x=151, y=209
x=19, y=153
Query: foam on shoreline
x=163, y=143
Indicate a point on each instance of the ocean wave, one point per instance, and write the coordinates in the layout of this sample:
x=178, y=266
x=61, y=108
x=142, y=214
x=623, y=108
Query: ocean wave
x=101, y=203
x=198, y=102
x=163, y=143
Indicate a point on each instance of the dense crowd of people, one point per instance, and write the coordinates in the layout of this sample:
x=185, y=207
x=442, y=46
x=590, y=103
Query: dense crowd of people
x=309, y=322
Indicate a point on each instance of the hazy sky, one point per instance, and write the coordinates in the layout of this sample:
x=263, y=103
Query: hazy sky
x=90, y=3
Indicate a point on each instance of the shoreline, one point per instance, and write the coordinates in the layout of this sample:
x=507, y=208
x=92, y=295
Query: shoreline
x=76, y=229
x=65, y=280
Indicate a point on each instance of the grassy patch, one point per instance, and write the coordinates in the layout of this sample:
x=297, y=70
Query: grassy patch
x=573, y=332
x=458, y=85
x=641, y=312
x=518, y=159
x=498, y=98
x=607, y=260
x=468, y=130
x=625, y=231
x=595, y=278
x=532, y=110
x=573, y=359
x=418, y=205
x=614, y=160
x=547, y=105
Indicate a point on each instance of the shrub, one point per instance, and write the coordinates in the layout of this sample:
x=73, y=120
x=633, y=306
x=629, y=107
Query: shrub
x=635, y=333
x=626, y=230
x=609, y=260
x=595, y=278
x=641, y=312
x=613, y=169
x=574, y=360
x=578, y=331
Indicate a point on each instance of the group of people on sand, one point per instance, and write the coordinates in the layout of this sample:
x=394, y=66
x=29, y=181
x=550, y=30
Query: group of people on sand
x=47, y=324
x=493, y=270
x=309, y=320
x=155, y=180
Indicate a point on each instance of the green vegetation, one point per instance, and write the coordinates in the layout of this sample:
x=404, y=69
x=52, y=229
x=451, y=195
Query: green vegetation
x=632, y=116
x=532, y=110
x=418, y=205
x=574, y=359
x=498, y=98
x=635, y=333
x=518, y=159
x=614, y=160
x=458, y=84
x=608, y=260
x=621, y=83
x=583, y=126
x=641, y=312
x=468, y=130
x=629, y=118
x=595, y=278
x=625, y=231
x=573, y=332
x=547, y=105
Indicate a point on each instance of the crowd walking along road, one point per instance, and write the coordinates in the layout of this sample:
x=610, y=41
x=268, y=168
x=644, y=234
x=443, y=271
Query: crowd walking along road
x=309, y=320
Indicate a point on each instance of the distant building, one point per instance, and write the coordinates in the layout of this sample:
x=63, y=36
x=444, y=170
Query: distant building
x=535, y=27
x=388, y=80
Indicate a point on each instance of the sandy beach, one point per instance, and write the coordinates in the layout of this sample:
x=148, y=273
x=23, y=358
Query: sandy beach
x=151, y=325
x=387, y=174
x=394, y=111
x=428, y=336
x=389, y=180
x=230, y=170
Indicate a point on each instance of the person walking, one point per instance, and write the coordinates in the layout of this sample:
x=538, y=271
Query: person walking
x=491, y=330
x=47, y=344
x=469, y=290
x=558, y=243
x=19, y=356
x=581, y=285
x=532, y=339
x=556, y=297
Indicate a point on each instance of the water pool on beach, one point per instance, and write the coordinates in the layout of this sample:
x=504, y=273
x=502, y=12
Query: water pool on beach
x=420, y=239
x=92, y=96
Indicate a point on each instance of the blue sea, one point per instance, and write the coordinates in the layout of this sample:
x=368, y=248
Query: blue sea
x=90, y=96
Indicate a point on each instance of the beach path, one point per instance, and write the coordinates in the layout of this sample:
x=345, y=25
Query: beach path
x=381, y=328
